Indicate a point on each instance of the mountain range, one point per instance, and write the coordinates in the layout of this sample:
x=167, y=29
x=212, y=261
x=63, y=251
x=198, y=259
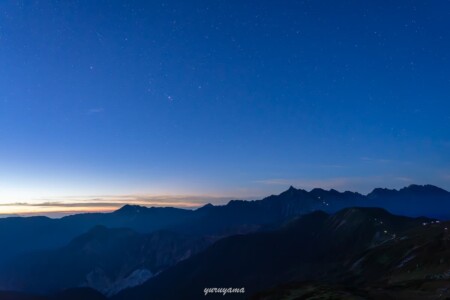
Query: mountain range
x=21, y=235
x=346, y=247
x=322, y=241
x=108, y=260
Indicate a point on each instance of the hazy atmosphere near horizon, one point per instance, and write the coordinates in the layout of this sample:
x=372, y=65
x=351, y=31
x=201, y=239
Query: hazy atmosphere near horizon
x=182, y=103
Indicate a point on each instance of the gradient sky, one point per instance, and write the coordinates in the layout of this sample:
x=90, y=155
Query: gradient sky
x=102, y=101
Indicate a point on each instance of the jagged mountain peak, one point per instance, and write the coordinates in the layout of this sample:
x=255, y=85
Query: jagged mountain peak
x=291, y=188
x=292, y=191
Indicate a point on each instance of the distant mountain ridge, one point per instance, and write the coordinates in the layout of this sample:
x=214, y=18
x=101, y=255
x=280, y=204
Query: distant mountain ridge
x=414, y=200
x=25, y=234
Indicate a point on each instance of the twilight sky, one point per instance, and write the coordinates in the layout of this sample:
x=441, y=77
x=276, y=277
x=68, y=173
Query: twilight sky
x=185, y=102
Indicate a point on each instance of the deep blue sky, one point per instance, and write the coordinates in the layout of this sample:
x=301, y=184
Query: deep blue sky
x=224, y=98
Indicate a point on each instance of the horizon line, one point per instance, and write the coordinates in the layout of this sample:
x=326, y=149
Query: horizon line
x=94, y=204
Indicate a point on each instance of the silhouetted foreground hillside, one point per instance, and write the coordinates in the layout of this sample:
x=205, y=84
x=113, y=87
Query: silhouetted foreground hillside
x=415, y=290
x=356, y=246
x=105, y=259
x=69, y=294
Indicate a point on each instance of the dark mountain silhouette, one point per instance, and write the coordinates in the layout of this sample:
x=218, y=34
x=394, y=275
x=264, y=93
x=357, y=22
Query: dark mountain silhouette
x=316, y=246
x=78, y=294
x=247, y=216
x=414, y=265
x=69, y=294
x=20, y=235
x=414, y=200
x=110, y=257
x=413, y=290
x=25, y=234
x=105, y=259
x=7, y=295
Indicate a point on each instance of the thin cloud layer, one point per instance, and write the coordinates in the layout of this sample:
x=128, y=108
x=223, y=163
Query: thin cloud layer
x=71, y=205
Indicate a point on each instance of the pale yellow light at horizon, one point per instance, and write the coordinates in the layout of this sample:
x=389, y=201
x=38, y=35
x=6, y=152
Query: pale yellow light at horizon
x=59, y=206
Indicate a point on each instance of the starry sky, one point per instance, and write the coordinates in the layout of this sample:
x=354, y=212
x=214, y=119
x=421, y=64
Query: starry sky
x=186, y=102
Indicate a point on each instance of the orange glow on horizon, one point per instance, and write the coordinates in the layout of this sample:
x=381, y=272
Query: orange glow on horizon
x=62, y=208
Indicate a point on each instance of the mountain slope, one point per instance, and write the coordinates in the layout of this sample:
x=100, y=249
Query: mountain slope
x=105, y=259
x=69, y=294
x=313, y=247
x=25, y=234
